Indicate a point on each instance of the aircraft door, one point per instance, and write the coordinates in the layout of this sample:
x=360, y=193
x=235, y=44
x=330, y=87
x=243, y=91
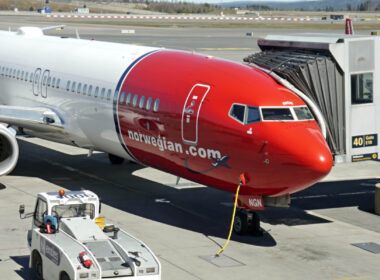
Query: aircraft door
x=44, y=81
x=36, y=82
x=190, y=113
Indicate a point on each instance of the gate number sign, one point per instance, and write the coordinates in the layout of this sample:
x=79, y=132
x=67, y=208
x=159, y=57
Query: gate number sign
x=364, y=141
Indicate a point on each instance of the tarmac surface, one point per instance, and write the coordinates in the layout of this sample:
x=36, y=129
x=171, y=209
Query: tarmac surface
x=186, y=225
x=228, y=43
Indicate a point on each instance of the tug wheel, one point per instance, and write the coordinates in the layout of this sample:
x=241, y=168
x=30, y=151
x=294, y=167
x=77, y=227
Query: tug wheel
x=64, y=276
x=37, y=266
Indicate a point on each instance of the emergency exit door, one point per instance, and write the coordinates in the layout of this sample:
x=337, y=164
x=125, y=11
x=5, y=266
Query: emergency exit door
x=190, y=113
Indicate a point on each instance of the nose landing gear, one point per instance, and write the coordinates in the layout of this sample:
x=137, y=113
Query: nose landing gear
x=247, y=221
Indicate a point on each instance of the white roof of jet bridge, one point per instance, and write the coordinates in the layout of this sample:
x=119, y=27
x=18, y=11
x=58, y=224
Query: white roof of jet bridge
x=317, y=37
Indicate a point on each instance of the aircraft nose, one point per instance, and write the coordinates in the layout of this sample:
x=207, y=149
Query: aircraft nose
x=311, y=157
x=320, y=161
x=302, y=158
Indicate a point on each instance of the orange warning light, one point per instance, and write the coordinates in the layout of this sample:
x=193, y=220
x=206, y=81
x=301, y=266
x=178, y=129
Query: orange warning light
x=61, y=192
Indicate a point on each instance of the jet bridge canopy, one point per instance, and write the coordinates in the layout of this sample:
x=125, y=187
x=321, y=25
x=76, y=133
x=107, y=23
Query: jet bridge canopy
x=336, y=72
x=317, y=75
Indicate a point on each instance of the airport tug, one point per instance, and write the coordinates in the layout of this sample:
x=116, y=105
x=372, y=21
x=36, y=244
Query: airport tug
x=70, y=241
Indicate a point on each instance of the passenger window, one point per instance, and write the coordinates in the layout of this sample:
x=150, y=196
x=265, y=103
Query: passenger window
x=237, y=112
x=58, y=82
x=156, y=104
x=53, y=82
x=122, y=97
x=128, y=101
x=49, y=81
x=31, y=77
x=102, y=93
x=90, y=90
x=277, y=114
x=116, y=95
x=26, y=76
x=134, y=102
x=109, y=92
x=22, y=76
x=148, y=103
x=96, y=92
x=18, y=74
x=142, y=99
x=79, y=88
x=40, y=211
x=68, y=85
x=74, y=86
x=84, y=89
x=253, y=115
x=14, y=73
x=362, y=88
x=303, y=113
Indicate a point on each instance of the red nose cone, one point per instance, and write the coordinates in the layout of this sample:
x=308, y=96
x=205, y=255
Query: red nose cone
x=323, y=163
x=312, y=159
x=300, y=157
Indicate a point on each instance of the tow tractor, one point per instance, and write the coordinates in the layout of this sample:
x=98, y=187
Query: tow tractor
x=69, y=240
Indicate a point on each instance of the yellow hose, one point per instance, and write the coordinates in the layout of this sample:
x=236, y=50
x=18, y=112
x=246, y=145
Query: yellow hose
x=232, y=222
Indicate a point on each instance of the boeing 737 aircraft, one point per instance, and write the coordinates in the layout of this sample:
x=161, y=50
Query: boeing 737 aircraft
x=195, y=116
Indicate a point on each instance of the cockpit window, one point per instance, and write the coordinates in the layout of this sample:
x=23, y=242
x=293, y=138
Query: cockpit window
x=276, y=114
x=237, y=112
x=253, y=115
x=247, y=115
x=303, y=113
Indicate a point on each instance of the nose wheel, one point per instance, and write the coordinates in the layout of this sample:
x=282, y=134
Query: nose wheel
x=247, y=221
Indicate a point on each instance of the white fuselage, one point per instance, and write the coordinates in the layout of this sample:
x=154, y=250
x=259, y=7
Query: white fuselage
x=31, y=62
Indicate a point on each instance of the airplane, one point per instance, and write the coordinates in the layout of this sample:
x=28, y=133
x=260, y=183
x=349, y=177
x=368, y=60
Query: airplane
x=198, y=117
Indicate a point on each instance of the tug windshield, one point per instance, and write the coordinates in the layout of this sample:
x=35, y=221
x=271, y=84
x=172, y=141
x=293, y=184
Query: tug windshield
x=74, y=210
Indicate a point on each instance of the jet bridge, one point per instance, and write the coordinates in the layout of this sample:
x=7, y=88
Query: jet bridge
x=337, y=73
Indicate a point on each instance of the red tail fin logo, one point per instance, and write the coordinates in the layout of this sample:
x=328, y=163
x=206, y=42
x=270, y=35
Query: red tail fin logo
x=349, y=27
